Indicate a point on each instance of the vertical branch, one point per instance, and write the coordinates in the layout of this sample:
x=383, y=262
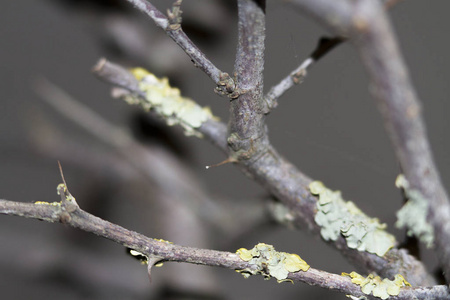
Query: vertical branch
x=372, y=35
x=247, y=130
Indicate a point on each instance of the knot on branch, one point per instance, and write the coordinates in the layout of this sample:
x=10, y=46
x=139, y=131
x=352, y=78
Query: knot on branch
x=227, y=87
x=174, y=16
x=247, y=149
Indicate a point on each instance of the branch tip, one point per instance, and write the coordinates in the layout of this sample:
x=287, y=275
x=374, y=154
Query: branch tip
x=99, y=65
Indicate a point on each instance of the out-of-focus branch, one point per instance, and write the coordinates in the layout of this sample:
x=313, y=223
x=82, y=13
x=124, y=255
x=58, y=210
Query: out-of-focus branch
x=172, y=26
x=67, y=212
x=297, y=76
x=368, y=27
x=290, y=186
x=150, y=163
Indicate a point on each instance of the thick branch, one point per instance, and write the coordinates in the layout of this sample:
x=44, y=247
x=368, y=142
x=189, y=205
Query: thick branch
x=158, y=251
x=196, y=55
x=290, y=186
x=369, y=29
x=247, y=136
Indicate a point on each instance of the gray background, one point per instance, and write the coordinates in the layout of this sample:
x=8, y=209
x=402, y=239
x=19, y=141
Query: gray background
x=328, y=127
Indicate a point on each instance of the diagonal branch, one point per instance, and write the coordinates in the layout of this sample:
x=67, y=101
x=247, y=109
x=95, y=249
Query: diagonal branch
x=67, y=212
x=297, y=76
x=290, y=186
x=171, y=25
x=213, y=130
x=372, y=35
x=324, y=46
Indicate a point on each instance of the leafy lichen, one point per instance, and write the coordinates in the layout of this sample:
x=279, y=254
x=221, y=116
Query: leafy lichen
x=413, y=215
x=167, y=102
x=381, y=288
x=337, y=217
x=268, y=262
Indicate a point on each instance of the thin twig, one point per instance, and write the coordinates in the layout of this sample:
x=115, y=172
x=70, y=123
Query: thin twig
x=172, y=27
x=365, y=22
x=324, y=46
x=158, y=251
x=297, y=76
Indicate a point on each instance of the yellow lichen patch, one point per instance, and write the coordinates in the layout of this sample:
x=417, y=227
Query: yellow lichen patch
x=139, y=73
x=381, y=288
x=244, y=254
x=167, y=102
x=164, y=241
x=268, y=262
x=293, y=263
x=61, y=186
x=338, y=217
x=47, y=203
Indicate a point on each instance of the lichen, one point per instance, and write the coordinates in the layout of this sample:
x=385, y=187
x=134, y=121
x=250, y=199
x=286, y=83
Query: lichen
x=164, y=241
x=381, y=288
x=139, y=256
x=413, y=215
x=168, y=103
x=68, y=196
x=268, y=262
x=338, y=217
x=48, y=203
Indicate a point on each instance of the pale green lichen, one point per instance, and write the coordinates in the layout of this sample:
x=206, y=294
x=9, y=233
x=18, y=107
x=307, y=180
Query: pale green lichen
x=381, y=288
x=282, y=214
x=168, y=103
x=338, y=217
x=271, y=263
x=413, y=215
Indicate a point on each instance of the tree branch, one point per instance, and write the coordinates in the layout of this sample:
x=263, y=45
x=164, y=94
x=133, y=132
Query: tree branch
x=149, y=162
x=67, y=212
x=172, y=27
x=213, y=130
x=247, y=133
x=371, y=33
x=290, y=186
x=324, y=46
x=297, y=76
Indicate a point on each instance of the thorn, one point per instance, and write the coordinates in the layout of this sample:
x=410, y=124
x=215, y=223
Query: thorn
x=149, y=270
x=151, y=262
x=226, y=161
x=62, y=174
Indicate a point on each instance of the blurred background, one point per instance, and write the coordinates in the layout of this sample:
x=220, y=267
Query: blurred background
x=158, y=185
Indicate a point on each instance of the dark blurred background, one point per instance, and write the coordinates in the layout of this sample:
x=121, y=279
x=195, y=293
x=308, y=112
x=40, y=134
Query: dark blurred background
x=328, y=127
